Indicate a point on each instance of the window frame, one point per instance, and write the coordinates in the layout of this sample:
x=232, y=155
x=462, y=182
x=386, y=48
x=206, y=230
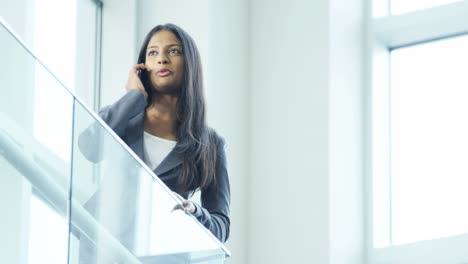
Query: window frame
x=384, y=33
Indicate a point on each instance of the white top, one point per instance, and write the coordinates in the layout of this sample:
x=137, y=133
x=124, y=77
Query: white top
x=155, y=149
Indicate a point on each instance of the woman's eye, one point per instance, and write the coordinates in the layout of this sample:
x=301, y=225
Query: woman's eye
x=174, y=51
x=151, y=53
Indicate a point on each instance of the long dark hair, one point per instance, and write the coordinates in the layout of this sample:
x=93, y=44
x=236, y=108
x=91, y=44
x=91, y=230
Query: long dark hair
x=196, y=142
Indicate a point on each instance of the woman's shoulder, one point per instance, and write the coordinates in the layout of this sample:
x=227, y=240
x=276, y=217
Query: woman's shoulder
x=215, y=137
x=128, y=105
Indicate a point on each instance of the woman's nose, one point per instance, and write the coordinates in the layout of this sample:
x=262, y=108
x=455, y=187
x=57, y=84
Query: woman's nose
x=162, y=59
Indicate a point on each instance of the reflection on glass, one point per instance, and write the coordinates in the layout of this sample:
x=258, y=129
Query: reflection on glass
x=404, y=6
x=429, y=143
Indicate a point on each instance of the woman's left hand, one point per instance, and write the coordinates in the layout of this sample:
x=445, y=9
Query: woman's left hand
x=188, y=206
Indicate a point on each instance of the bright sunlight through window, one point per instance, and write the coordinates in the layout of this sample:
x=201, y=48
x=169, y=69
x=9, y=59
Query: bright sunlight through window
x=429, y=140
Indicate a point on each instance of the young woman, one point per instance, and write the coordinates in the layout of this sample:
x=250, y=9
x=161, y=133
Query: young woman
x=174, y=115
x=162, y=119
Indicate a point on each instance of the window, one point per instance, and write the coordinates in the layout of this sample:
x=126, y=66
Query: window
x=64, y=39
x=429, y=140
x=419, y=131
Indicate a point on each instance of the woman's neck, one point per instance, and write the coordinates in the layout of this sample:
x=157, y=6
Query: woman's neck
x=161, y=117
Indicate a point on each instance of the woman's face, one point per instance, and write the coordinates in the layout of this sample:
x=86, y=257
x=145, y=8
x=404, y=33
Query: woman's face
x=165, y=62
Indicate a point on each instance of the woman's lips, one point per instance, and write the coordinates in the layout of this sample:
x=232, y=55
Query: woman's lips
x=163, y=72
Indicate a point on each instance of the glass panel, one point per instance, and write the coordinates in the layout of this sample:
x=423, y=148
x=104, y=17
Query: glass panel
x=404, y=6
x=48, y=235
x=35, y=140
x=429, y=143
x=121, y=213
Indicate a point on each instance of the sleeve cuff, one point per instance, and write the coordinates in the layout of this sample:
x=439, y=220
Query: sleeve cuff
x=198, y=210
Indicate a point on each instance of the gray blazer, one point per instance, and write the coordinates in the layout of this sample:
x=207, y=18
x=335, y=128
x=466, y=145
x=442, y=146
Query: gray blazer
x=126, y=118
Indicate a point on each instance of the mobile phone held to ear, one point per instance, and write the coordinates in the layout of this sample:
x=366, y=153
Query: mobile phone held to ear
x=143, y=75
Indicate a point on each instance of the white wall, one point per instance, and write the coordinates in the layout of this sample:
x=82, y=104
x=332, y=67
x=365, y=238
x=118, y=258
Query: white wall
x=346, y=112
x=289, y=213
x=305, y=177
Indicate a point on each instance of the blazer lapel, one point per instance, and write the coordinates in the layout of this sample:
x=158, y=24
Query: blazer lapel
x=172, y=160
x=135, y=134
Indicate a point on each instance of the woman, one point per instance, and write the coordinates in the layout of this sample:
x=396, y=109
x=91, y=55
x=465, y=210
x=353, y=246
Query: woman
x=162, y=119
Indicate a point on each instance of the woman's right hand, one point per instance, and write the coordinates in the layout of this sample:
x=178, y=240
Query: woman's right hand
x=134, y=82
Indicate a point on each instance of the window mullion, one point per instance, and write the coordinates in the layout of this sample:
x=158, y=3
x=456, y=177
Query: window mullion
x=422, y=26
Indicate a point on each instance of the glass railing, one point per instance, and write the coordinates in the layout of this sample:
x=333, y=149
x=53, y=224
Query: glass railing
x=70, y=190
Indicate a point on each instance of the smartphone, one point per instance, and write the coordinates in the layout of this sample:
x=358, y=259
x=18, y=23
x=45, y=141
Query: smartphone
x=143, y=75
